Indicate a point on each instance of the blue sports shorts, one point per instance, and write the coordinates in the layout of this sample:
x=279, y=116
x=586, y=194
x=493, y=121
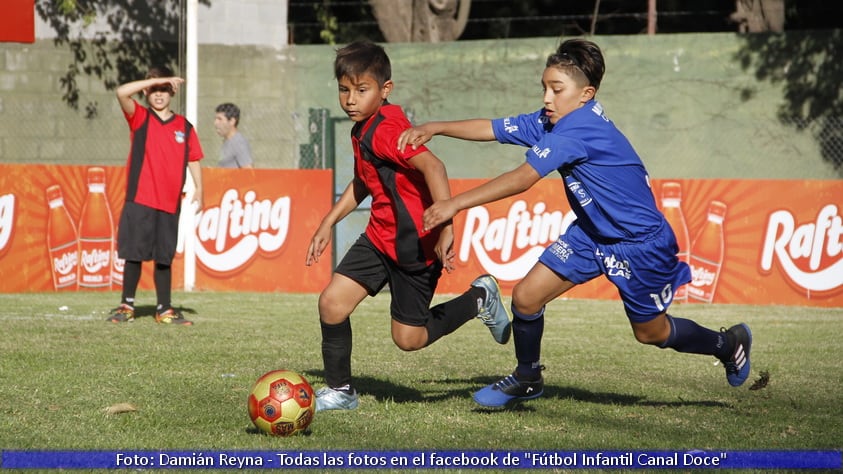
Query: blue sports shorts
x=646, y=273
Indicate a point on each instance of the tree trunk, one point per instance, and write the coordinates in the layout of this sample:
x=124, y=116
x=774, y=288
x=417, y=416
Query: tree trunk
x=395, y=19
x=754, y=16
x=428, y=21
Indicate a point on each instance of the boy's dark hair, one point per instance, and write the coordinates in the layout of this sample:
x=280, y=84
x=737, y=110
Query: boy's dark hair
x=230, y=111
x=580, y=54
x=161, y=71
x=362, y=57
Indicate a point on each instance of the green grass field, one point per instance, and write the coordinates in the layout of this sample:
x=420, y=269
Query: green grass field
x=62, y=366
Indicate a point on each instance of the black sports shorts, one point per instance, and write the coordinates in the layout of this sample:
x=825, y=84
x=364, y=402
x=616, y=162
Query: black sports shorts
x=145, y=234
x=411, y=291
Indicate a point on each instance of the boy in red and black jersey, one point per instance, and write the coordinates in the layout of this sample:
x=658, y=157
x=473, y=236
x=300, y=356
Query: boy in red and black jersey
x=395, y=249
x=164, y=147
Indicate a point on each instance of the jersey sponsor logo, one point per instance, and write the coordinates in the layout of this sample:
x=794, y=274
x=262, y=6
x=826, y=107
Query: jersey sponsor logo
x=578, y=190
x=809, y=254
x=541, y=152
x=232, y=233
x=615, y=267
x=179, y=134
x=561, y=249
x=508, y=246
x=508, y=126
x=597, y=108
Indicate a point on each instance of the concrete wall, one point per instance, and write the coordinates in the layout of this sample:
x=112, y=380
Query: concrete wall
x=679, y=98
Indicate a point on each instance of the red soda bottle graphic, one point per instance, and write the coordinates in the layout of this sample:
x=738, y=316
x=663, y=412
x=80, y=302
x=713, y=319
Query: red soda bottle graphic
x=672, y=210
x=707, y=255
x=96, y=235
x=61, y=242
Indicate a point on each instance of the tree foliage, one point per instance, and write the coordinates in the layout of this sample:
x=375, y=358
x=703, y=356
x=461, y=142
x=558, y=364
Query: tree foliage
x=808, y=67
x=114, y=41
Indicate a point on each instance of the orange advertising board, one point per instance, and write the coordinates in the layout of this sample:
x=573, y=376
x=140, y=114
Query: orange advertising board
x=58, y=227
x=748, y=241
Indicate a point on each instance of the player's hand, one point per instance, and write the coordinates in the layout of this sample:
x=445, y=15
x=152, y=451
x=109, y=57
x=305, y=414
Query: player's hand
x=415, y=137
x=198, y=202
x=445, y=248
x=438, y=213
x=318, y=244
x=174, y=82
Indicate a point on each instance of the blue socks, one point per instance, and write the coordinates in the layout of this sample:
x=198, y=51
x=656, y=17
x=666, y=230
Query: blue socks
x=688, y=336
x=527, y=331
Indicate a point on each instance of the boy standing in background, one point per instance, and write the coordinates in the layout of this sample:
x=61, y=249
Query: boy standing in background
x=164, y=146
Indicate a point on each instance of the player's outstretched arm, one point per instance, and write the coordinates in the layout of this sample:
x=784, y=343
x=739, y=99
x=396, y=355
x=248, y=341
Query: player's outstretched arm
x=478, y=130
x=508, y=184
x=436, y=178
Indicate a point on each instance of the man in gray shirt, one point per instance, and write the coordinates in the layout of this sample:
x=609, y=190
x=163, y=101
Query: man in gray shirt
x=235, y=152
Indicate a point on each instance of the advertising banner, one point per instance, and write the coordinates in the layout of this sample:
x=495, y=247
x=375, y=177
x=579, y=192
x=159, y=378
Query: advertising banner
x=58, y=229
x=747, y=241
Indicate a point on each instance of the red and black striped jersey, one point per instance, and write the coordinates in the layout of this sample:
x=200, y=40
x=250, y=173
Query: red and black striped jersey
x=398, y=190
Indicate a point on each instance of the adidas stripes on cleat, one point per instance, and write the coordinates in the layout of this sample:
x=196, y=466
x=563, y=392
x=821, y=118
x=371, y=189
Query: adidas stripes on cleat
x=737, y=366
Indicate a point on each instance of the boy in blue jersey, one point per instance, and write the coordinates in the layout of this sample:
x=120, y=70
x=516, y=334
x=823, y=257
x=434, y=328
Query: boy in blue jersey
x=619, y=231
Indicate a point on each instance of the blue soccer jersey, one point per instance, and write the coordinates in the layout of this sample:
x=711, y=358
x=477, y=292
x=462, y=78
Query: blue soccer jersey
x=606, y=183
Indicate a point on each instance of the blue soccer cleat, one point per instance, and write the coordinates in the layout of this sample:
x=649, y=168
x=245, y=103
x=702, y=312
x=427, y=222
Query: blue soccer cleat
x=509, y=389
x=737, y=366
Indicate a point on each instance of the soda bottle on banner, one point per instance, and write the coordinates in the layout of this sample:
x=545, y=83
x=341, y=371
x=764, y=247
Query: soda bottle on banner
x=672, y=210
x=707, y=255
x=62, y=242
x=96, y=235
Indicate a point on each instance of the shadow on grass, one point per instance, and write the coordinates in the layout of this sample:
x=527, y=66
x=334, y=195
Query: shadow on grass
x=444, y=389
x=253, y=430
x=578, y=394
x=148, y=310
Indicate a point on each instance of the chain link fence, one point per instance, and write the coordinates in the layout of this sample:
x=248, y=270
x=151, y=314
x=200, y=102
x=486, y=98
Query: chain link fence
x=682, y=126
x=828, y=133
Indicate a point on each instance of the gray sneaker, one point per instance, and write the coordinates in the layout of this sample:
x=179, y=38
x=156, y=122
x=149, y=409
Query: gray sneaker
x=329, y=399
x=492, y=311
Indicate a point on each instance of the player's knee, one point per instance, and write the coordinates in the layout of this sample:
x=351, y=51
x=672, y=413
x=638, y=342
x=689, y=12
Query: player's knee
x=650, y=336
x=408, y=344
x=522, y=303
x=331, y=309
x=647, y=339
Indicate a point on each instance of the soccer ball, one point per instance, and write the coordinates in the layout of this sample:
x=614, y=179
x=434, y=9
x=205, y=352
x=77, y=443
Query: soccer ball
x=282, y=403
